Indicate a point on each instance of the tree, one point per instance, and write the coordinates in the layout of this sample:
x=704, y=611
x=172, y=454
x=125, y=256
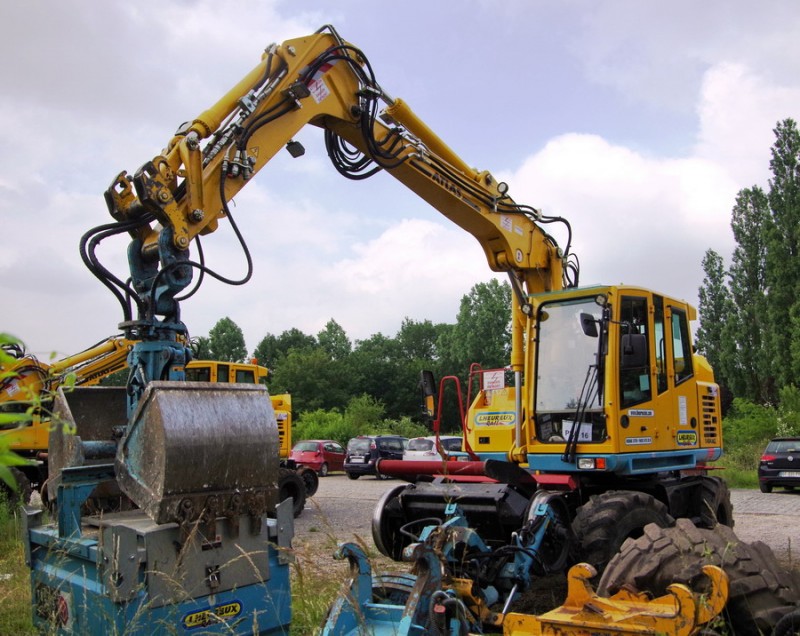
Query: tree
x=334, y=341
x=226, y=342
x=716, y=310
x=746, y=362
x=272, y=348
x=482, y=332
x=314, y=380
x=783, y=252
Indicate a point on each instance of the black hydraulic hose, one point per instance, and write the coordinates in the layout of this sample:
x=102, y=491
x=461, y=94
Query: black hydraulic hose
x=91, y=239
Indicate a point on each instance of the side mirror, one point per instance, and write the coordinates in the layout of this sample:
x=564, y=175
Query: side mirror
x=589, y=325
x=427, y=383
x=634, y=351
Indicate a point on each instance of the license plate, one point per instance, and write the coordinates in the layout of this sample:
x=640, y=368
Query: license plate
x=356, y=460
x=789, y=473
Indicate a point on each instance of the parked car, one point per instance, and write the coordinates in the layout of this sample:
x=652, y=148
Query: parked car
x=365, y=450
x=780, y=464
x=424, y=448
x=322, y=455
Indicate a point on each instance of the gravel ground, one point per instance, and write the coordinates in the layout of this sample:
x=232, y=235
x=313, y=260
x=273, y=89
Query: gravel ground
x=342, y=511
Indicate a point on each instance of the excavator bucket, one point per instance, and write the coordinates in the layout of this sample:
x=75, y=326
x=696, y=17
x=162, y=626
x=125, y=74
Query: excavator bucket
x=84, y=425
x=191, y=449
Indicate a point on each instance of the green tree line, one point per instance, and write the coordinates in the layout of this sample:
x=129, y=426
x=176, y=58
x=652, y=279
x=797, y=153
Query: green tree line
x=330, y=373
x=750, y=310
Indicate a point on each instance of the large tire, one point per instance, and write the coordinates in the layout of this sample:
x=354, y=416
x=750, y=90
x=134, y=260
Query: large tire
x=310, y=479
x=604, y=522
x=714, y=503
x=761, y=591
x=290, y=484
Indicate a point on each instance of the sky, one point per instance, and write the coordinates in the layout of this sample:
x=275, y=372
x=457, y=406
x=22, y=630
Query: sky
x=636, y=121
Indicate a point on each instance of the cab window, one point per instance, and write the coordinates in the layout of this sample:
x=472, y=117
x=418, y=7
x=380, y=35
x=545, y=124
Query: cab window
x=634, y=354
x=223, y=371
x=681, y=346
x=245, y=376
x=198, y=374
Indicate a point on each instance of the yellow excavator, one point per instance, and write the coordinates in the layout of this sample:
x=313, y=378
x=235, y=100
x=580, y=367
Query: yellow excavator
x=603, y=433
x=30, y=384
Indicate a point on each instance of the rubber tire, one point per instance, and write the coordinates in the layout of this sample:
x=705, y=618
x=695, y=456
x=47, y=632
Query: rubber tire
x=714, y=503
x=323, y=470
x=353, y=475
x=310, y=479
x=765, y=488
x=23, y=491
x=761, y=590
x=290, y=484
x=604, y=522
x=789, y=625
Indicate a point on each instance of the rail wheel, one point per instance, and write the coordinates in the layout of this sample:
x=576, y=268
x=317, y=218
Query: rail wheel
x=762, y=592
x=604, y=523
x=387, y=524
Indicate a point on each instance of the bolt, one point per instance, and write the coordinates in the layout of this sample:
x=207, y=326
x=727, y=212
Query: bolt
x=163, y=196
x=183, y=241
x=196, y=215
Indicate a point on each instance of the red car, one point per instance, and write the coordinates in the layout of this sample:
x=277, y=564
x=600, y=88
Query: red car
x=322, y=455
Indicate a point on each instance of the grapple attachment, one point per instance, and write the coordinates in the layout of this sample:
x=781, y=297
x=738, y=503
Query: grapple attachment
x=196, y=448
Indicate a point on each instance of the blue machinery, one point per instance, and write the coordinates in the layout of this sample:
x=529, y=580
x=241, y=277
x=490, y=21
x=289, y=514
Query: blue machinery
x=166, y=531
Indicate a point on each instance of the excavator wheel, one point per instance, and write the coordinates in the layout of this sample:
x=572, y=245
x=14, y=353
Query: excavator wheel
x=290, y=484
x=604, y=523
x=762, y=592
x=714, y=505
x=310, y=479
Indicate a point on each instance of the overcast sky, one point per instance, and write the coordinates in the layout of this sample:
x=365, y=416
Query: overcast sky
x=637, y=121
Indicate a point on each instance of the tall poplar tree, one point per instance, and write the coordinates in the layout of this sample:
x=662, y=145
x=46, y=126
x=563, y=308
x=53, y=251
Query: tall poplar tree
x=783, y=254
x=746, y=356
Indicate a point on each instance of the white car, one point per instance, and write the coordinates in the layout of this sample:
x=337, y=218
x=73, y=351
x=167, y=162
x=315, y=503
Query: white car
x=424, y=448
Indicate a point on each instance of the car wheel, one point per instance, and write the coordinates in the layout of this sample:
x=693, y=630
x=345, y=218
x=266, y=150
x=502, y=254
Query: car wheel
x=765, y=487
x=323, y=470
x=353, y=475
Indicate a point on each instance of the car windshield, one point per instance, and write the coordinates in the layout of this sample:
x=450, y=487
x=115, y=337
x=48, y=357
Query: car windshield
x=359, y=445
x=420, y=444
x=301, y=447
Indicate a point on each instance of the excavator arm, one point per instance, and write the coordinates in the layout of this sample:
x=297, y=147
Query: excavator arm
x=326, y=82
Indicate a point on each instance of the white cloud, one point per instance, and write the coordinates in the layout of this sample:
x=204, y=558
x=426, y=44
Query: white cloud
x=738, y=110
x=635, y=219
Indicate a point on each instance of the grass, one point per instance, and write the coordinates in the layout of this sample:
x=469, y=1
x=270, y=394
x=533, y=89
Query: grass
x=15, y=593
x=314, y=588
x=741, y=464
